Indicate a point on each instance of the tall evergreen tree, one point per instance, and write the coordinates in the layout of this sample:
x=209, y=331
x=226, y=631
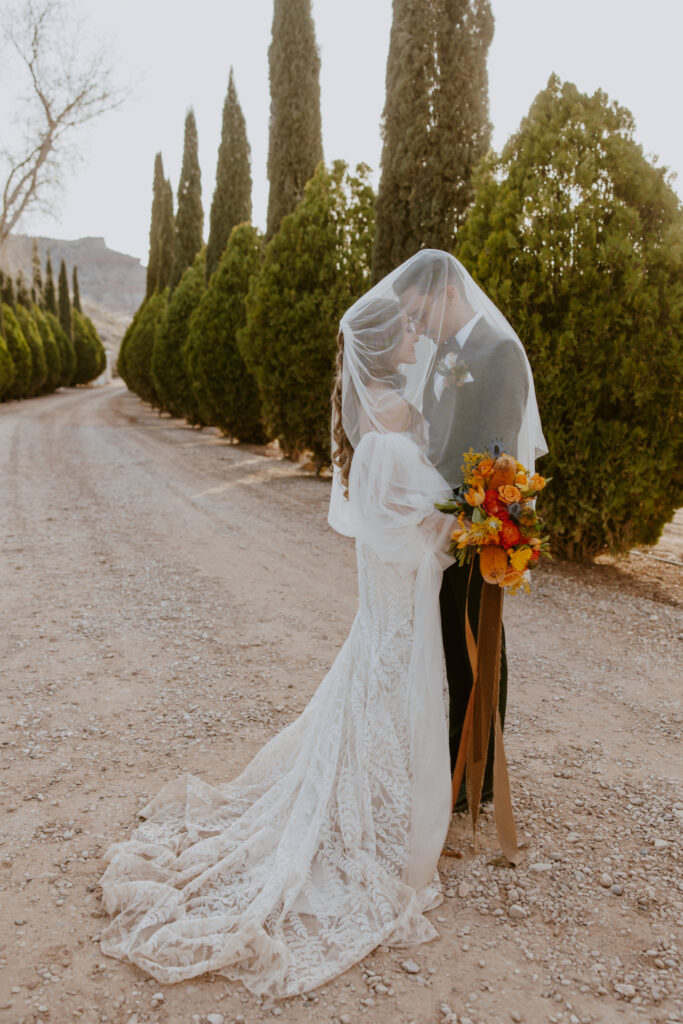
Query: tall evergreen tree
x=169, y=373
x=37, y=275
x=189, y=220
x=295, y=145
x=435, y=125
x=50, y=300
x=76, y=295
x=155, y=224
x=166, y=233
x=34, y=341
x=53, y=359
x=23, y=296
x=64, y=301
x=19, y=351
x=231, y=203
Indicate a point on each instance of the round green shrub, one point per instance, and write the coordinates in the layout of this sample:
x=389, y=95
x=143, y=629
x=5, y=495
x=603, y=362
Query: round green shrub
x=20, y=353
x=225, y=390
x=140, y=346
x=169, y=375
x=314, y=267
x=29, y=329
x=577, y=238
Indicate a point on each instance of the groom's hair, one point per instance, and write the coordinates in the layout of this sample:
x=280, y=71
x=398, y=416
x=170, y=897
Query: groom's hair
x=430, y=273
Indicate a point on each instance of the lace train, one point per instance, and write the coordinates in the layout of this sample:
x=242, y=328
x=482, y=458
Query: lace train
x=294, y=871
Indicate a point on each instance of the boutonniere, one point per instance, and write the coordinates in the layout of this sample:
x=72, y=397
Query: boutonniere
x=454, y=371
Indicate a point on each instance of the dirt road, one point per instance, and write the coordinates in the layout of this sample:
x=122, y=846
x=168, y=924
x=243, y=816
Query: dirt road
x=169, y=602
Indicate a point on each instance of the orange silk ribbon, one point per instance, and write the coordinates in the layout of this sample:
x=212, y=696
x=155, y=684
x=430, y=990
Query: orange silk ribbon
x=482, y=712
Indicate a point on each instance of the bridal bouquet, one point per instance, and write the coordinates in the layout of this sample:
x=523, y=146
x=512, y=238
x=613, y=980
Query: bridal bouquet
x=497, y=519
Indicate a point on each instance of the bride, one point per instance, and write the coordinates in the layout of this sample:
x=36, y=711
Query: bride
x=327, y=844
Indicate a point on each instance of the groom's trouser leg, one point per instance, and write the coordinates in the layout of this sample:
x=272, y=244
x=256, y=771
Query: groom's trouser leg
x=453, y=599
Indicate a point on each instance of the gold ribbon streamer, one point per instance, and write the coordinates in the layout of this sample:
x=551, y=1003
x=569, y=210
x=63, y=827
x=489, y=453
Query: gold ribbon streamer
x=483, y=711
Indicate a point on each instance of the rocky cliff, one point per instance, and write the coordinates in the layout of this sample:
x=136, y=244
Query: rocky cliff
x=112, y=284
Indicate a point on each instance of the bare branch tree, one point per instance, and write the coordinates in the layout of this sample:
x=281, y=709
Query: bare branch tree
x=60, y=82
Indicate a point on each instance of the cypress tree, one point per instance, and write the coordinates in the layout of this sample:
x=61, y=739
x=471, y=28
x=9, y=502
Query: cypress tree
x=90, y=355
x=64, y=301
x=67, y=355
x=31, y=333
x=20, y=353
x=225, y=390
x=140, y=346
x=7, y=290
x=155, y=225
x=231, y=203
x=461, y=131
x=23, y=297
x=435, y=125
x=189, y=220
x=50, y=347
x=50, y=298
x=76, y=303
x=37, y=275
x=166, y=234
x=169, y=373
x=313, y=269
x=295, y=145
x=6, y=362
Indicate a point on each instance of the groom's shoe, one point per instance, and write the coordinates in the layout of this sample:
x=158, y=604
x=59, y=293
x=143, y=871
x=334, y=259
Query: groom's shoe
x=461, y=803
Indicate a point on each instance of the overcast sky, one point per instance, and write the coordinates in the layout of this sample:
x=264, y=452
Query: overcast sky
x=178, y=54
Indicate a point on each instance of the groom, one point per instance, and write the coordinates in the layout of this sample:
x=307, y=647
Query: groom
x=474, y=396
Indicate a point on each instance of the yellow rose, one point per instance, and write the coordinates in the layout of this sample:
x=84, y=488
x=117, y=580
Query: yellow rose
x=475, y=496
x=537, y=482
x=521, y=480
x=509, y=493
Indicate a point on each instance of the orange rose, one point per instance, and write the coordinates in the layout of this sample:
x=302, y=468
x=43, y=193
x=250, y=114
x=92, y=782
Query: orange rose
x=485, y=467
x=537, y=482
x=509, y=493
x=493, y=563
x=521, y=480
x=504, y=471
x=475, y=496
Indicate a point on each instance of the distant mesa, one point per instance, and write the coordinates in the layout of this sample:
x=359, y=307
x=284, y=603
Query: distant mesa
x=112, y=284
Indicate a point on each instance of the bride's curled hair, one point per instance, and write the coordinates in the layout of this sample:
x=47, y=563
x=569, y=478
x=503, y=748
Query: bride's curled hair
x=342, y=449
x=377, y=330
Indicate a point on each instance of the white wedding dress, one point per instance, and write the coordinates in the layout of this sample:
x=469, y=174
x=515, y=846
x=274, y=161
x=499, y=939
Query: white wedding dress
x=327, y=844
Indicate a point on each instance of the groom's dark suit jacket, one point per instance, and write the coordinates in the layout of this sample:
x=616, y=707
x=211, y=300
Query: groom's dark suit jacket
x=480, y=412
x=476, y=414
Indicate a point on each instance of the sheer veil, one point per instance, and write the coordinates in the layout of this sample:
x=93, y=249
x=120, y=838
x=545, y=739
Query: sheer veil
x=426, y=298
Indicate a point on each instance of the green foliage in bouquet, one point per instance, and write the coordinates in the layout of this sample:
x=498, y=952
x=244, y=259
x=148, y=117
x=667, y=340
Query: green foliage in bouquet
x=577, y=237
x=20, y=352
x=140, y=346
x=53, y=359
x=225, y=390
x=31, y=333
x=90, y=356
x=316, y=265
x=67, y=354
x=169, y=374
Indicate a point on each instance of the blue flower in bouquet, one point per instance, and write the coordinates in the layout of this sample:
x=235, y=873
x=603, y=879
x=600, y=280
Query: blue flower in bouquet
x=514, y=510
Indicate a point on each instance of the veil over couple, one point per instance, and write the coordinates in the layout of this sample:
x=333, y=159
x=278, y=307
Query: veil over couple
x=327, y=844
